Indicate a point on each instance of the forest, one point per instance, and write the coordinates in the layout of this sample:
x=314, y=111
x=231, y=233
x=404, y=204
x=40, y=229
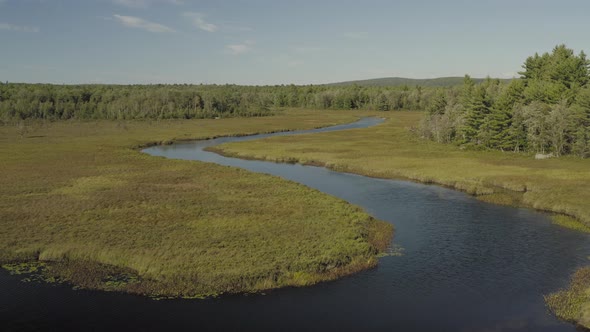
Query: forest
x=546, y=111
x=61, y=102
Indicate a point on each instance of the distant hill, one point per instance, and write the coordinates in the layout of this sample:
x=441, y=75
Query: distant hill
x=398, y=81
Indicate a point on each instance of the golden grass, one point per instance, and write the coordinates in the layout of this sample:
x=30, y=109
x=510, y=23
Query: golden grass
x=80, y=197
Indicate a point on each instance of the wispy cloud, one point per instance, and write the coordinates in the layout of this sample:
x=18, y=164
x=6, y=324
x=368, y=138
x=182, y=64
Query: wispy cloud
x=237, y=49
x=356, y=35
x=198, y=20
x=140, y=23
x=21, y=28
x=145, y=3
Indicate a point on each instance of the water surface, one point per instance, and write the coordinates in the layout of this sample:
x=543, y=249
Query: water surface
x=466, y=266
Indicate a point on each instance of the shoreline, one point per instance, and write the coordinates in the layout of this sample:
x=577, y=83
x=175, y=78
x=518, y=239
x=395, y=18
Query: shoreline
x=345, y=169
x=510, y=193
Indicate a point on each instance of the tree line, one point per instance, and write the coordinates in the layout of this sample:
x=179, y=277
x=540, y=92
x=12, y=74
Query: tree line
x=547, y=110
x=61, y=102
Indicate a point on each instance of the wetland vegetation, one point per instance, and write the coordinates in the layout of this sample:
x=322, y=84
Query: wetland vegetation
x=392, y=150
x=80, y=198
x=79, y=204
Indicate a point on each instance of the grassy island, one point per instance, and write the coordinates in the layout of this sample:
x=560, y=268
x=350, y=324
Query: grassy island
x=80, y=204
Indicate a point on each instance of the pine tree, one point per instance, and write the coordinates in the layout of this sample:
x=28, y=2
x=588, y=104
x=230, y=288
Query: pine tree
x=537, y=126
x=583, y=101
x=467, y=90
x=476, y=111
x=438, y=103
x=581, y=145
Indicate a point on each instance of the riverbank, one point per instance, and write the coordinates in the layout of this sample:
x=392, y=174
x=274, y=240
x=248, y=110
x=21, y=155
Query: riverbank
x=391, y=150
x=79, y=204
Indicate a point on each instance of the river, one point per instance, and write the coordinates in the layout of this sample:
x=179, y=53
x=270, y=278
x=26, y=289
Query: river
x=465, y=265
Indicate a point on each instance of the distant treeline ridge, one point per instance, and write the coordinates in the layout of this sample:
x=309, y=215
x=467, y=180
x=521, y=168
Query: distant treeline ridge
x=20, y=101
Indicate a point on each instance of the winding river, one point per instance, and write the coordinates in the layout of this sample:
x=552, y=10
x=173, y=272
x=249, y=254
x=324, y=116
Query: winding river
x=466, y=265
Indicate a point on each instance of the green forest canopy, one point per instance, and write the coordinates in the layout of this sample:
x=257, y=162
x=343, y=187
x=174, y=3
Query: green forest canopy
x=60, y=102
x=547, y=110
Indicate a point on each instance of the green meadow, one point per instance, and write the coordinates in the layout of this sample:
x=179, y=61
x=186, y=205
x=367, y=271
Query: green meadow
x=79, y=203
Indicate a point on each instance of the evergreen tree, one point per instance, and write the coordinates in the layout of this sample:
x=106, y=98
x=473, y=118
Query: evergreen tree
x=537, y=126
x=476, y=111
x=547, y=109
x=581, y=145
x=438, y=104
x=583, y=102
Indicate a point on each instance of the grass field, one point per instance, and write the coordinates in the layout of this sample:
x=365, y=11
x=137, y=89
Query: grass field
x=79, y=203
x=391, y=150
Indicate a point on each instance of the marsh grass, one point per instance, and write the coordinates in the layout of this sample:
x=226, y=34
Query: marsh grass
x=572, y=304
x=80, y=198
x=569, y=222
x=392, y=150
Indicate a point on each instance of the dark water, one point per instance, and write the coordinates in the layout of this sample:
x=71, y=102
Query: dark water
x=466, y=266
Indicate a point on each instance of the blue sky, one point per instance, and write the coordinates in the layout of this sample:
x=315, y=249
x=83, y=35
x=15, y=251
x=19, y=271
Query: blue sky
x=278, y=42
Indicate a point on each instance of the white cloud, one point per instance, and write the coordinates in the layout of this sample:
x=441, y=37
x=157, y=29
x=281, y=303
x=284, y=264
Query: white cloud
x=198, y=21
x=145, y=3
x=22, y=28
x=237, y=49
x=140, y=23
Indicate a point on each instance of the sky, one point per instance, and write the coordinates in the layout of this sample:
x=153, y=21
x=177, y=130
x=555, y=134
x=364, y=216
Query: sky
x=268, y=42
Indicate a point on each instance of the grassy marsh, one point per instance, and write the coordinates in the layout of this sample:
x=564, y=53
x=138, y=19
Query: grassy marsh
x=391, y=150
x=572, y=304
x=80, y=198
